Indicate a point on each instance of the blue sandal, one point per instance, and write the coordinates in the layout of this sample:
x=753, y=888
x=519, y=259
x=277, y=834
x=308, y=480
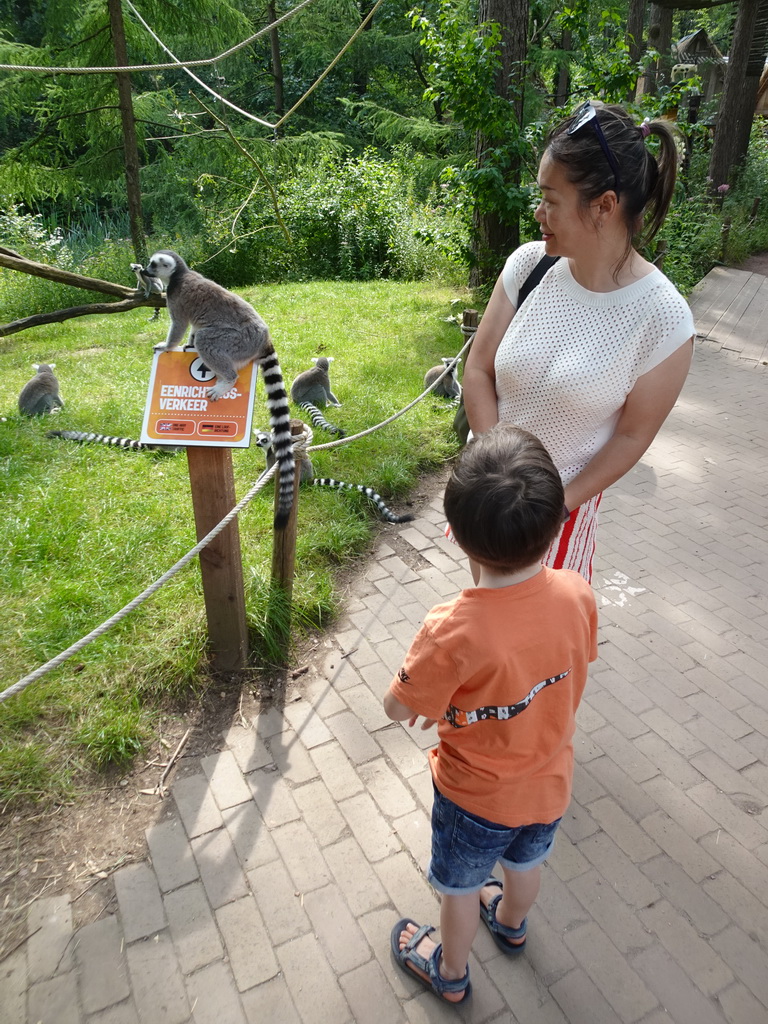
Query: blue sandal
x=500, y=933
x=435, y=982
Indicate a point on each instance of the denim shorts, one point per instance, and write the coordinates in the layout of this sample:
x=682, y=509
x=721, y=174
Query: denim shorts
x=465, y=847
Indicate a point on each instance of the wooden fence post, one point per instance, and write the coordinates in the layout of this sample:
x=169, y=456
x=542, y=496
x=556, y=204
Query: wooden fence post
x=213, y=496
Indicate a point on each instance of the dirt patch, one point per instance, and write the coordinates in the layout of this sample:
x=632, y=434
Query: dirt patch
x=756, y=264
x=75, y=848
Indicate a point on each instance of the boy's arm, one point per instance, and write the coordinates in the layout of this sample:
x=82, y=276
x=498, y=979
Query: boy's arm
x=400, y=712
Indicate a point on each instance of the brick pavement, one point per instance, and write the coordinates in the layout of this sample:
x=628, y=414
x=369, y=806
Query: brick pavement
x=270, y=888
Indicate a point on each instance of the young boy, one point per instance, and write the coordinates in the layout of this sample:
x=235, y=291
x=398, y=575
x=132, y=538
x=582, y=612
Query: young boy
x=502, y=668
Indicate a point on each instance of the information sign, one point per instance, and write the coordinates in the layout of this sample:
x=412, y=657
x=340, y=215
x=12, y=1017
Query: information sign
x=179, y=412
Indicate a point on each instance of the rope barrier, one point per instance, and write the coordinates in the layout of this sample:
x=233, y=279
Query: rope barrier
x=302, y=443
x=159, y=67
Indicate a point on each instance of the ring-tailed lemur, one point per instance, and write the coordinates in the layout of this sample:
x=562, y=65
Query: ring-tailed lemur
x=115, y=442
x=147, y=284
x=312, y=388
x=40, y=395
x=227, y=333
x=449, y=386
x=264, y=440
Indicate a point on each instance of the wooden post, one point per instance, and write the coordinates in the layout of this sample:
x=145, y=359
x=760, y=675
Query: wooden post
x=213, y=496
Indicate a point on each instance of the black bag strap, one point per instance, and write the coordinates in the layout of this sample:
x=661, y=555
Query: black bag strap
x=535, y=277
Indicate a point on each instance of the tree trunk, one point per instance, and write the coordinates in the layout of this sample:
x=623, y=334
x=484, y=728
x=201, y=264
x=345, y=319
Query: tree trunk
x=361, y=72
x=493, y=237
x=563, y=86
x=660, y=38
x=737, y=103
x=634, y=33
x=277, y=61
x=130, y=147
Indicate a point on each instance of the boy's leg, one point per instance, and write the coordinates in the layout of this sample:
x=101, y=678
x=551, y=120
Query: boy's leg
x=520, y=891
x=459, y=918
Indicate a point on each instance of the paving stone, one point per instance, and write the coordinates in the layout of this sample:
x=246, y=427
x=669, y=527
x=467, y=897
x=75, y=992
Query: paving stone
x=370, y=996
x=171, y=854
x=50, y=945
x=684, y=1003
x=385, y=787
x=335, y=927
x=617, y=919
x=694, y=955
x=156, y=981
x=406, y=756
x=729, y=815
x=319, y=812
x=366, y=707
x=352, y=873
x=250, y=837
x=292, y=758
x=220, y=870
x=307, y=723
x=213, y=996
x=196, y=805
x=101, y=964
x=13, y=987
x=415, y=832
x=54, y=1001
x=307, y=972
x=523, y=993
x=225, y=779
x=280, y=903
x=122, y=1013
x=738, y=1005
x=581, y=1000
x=273, y=798
x=140, y=902
x=248, y=748
x=302, y=856
x=374, y=835
x=193, y=928
x=627, y=835
x=357, y=744
x=268, y=1002
x=676, y=842
x=746, y=958
x=248, y=947
x=686, y=895
x=609, y=971
x=336, y=771
x=618, y=869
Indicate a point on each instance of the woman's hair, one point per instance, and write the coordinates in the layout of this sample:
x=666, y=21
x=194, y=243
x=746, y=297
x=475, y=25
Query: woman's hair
x=504, y=500
x=647, y=183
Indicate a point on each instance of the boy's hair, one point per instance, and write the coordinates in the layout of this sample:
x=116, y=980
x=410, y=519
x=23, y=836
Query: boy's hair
x=504, y=500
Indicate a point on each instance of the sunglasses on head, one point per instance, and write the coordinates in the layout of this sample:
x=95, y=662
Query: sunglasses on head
x=587, y=114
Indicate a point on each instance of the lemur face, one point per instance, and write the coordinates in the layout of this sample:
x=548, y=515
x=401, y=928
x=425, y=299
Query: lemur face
x=162, y=265
x=263, y=439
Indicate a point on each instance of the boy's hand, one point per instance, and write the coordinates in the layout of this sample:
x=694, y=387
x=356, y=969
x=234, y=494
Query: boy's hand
x=426, y=724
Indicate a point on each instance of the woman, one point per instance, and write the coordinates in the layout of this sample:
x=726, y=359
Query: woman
x=596, y=356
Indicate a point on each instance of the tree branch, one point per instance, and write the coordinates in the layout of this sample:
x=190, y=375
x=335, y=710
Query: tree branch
x=40, y=319
x=12, y=261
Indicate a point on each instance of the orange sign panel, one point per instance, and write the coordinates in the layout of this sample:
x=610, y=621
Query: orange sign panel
x=178, y=410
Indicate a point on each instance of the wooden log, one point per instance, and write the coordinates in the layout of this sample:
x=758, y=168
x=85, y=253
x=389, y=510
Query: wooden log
x=93, y=309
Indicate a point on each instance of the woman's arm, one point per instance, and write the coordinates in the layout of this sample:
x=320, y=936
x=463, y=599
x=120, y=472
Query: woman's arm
x=647, y=406
x=479, y=379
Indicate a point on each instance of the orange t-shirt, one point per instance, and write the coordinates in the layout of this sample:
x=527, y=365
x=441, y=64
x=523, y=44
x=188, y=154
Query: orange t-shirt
x=504, y=670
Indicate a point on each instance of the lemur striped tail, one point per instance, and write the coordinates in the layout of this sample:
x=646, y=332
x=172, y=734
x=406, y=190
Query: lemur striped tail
x=280, y=424
x=320, y=421
x=368, y=492
x=115, y=442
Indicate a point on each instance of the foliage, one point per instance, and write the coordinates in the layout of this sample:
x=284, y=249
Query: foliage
x=462, y=73
x=87, y=528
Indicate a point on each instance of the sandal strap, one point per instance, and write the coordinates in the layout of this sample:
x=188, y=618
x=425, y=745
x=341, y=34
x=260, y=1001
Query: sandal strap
x=502, y=929
x=410, y=947
x=440, y=984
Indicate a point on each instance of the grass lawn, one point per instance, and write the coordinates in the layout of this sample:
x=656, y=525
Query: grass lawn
x=87, y=527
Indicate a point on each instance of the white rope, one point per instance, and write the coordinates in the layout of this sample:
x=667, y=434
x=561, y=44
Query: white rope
x=200, y=82
x=397, y=415
x=159, y=67
x=132, y=605
x=301, y=443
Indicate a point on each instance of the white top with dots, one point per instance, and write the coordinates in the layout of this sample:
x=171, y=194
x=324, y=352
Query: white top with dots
x=570, y=357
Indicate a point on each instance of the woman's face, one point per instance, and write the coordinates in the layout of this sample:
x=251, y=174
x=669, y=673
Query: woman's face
x=566, y=225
